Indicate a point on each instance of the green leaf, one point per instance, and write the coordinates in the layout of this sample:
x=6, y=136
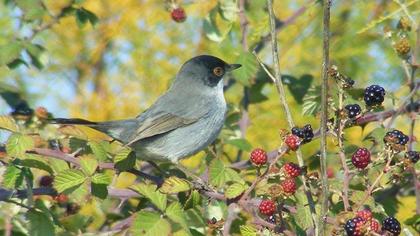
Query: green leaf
x=34, y=161
x=217, y=173
x=174, y=184
x=359, y=196
x=39, y=223
x=125, y=159
x=228, y=9
x=99, y=190
x=88, y=164
x=92, y=18
x=303, y=216
x=356, y=93
x=68, y=179
x=150, y=192
x=247, y=230
x=18, y=144
x=10, y=52
x=101, y=178
x=235, y=190
x=240, y=143
x=232, y=175
x=176, y=214
x=298, y=87
x=376, y=134
x=12, y=177
x=16, y=63
x=193, y=200
x=150, y=224
x=36, y=52
x=249, y=69
x=81, y=18
x=73, y=131
x=210, y=28
x=98, y=148
x=312, y=101
x=8, y=123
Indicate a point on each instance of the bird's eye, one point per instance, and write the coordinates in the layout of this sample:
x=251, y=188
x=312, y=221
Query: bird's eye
x=218, y=71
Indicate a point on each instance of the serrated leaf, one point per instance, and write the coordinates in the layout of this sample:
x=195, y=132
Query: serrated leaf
x=88, y=164
x=68, y=179
x=234, y=190
x=240, y=143
x=10, y=52
x=125, y=159
x=150, y=224
x=12, y=177
x=298, y=87
x=150, y=192
x=34, y=162
x=232, y=175
x=101, y=178
x=210, y=28
x=312, y=101
x=8, y=123
x=73, y=131
x=228, y=9
x=247, y=230
x=217, y=172
x=358, y=196
x=175, y=212
x=18, y=144
x=249, y=68
x=79, y=193
x=98, y=150
x=39, y=223
x=193, y=200
x=303, y=215
x=174, y=184
x=99, y=190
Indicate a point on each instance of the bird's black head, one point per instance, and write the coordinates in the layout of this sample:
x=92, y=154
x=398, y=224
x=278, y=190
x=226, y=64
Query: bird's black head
x=209, y=69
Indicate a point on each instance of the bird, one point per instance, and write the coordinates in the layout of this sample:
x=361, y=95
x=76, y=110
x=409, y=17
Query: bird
x=183, y=121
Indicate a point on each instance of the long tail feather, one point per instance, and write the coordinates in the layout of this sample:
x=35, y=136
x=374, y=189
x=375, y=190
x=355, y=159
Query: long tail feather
x=72, y=121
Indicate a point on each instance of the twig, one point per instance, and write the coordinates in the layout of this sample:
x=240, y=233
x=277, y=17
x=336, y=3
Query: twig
x=232, y=215
x=341, y=153
x=324, y=115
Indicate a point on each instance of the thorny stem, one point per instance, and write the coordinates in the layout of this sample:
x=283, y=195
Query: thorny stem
x=324, y=115
x=280, y=89
x=341, y=153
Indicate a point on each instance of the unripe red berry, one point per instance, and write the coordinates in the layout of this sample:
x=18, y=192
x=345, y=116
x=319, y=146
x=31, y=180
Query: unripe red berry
x=267, y=207
x=365, y=214
x=375, y=226
x=61, y=198
x=291, y=170
x=289, y=186
x=361, y=158
x=292, y=141
x=258, y=157
x=178, y=14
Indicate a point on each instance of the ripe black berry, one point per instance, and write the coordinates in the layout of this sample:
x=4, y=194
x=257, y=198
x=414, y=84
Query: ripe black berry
x=413, y=156
x=354, y=226
x=392, y=225
x=306, y=133
x=46, y=181
x=298, y=132
x=353, y=110
x=374, y=95
x=395, y=137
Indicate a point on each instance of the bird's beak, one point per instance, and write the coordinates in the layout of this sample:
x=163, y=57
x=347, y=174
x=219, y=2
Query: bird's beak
x=232, y=67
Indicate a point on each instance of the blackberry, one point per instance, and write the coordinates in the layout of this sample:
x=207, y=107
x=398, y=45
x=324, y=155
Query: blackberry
x=392, y=225
x=267, y=207
x=272, y=219
x=258, y=157
x=395, y=137
x=306, y=133
x=413, y=156
x=354, y=226
x=361, y=158
x=353, y=110
x=374, y=95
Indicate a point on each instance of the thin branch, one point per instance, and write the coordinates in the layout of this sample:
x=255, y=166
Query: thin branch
x=232, y=215
x=324, y=115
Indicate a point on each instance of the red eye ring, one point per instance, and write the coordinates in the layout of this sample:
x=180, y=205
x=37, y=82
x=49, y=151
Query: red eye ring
x=218, y=71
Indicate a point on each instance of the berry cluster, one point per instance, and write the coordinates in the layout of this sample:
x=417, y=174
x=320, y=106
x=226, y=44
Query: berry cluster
x=361, y=158
x=413, y=156
x=362, y=224
x=395, y=137
x=258, y=157
x=391, y=225
x=374, y=95
x=353, y=110
x=306, y=133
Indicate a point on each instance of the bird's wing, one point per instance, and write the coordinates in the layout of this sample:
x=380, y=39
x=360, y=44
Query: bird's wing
x=158, y=125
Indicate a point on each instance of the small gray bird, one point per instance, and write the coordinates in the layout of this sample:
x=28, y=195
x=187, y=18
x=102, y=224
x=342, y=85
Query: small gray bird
x=182, y=122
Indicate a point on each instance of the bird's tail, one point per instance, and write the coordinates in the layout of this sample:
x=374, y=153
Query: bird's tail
x=120, y=130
